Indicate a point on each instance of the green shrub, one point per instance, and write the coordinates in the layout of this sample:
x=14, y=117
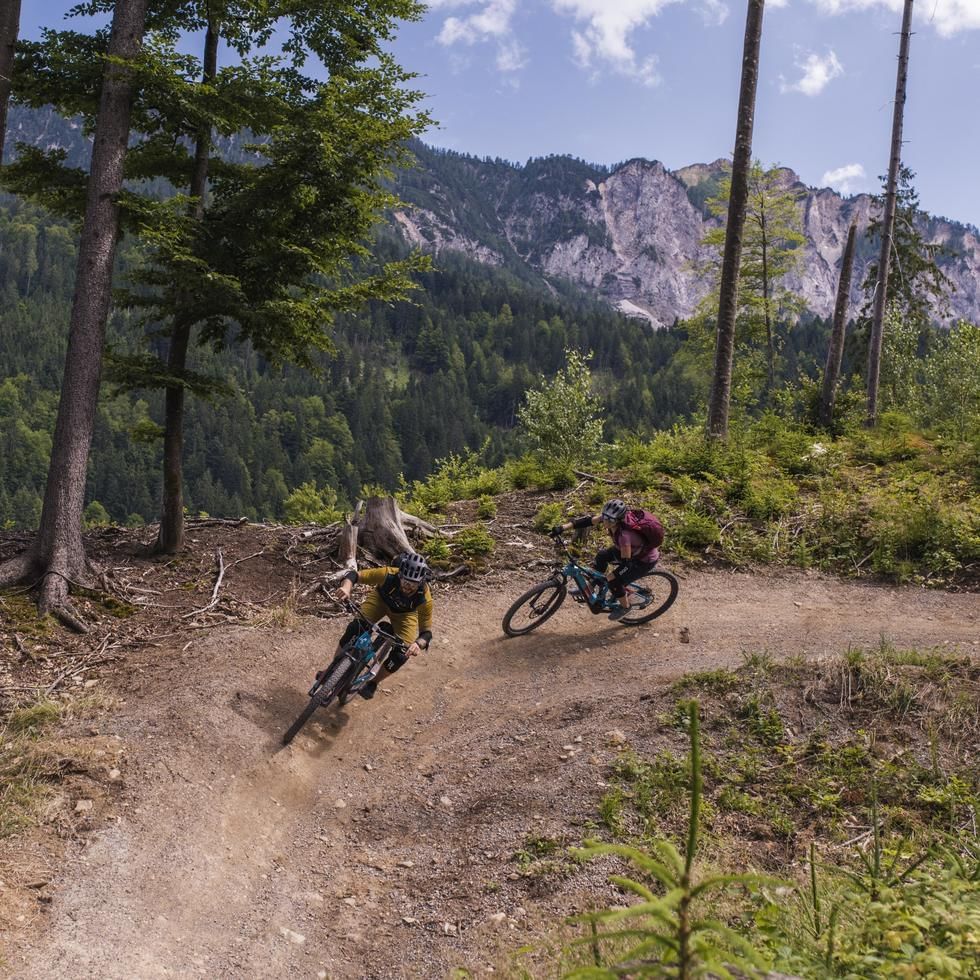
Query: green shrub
x=436, y=550
x=530, y=473
x=522, y=473
x=769, y=497
x=547, y=516
x=694, y=531
x=454, y=478
x=96, y=515
x=473, y=542
x=486, y=508
x=310, y=504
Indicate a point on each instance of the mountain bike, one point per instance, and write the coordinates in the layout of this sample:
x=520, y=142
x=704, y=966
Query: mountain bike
x=357, y=663
x=650, y=596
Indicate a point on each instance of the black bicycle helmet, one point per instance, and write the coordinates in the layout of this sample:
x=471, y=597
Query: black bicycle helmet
x=413, y=568
x=614, y=510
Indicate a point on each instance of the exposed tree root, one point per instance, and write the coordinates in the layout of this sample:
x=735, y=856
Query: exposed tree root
x=52, y=585
x=16, y=570
x=52, y=600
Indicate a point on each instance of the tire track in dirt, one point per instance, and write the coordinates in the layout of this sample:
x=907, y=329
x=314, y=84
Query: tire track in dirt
x=233, y=857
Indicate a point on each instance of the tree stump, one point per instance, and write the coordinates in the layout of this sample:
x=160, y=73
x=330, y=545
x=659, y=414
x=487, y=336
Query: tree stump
x=380, y=530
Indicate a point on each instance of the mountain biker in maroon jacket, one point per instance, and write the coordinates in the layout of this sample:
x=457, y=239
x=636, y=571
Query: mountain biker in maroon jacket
x=636, y=535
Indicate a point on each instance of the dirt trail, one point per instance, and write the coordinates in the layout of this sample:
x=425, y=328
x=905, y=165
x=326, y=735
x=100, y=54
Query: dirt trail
x=381, y=843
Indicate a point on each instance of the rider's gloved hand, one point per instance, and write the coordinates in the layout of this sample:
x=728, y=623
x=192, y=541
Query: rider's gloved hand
x=557, y=531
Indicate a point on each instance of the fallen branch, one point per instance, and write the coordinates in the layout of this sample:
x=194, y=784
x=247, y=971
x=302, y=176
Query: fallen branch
x=214, y=593
x=247, y=558
x=597, y=479
x=454, y=573
x=24, y=652
x=217, y=522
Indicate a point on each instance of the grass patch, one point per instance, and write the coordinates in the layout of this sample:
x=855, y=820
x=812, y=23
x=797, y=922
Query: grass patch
x=853, y=781
x=28, y=764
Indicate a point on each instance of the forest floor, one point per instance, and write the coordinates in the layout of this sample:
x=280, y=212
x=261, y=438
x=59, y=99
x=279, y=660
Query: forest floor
x=390, y=839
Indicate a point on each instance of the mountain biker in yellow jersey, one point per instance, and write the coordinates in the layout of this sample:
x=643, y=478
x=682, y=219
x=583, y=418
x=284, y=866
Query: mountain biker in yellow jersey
x=636, y=534
x=402, y=596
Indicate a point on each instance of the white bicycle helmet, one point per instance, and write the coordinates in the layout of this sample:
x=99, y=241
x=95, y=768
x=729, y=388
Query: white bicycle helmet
x=413, y=568
x=614, y=510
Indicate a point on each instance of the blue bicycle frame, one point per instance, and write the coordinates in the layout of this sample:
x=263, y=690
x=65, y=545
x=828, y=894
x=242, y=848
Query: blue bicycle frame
x=593, y=586
x=362, y=653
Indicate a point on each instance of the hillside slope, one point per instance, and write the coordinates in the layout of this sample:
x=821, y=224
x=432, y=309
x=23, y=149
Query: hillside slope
x=384, y=842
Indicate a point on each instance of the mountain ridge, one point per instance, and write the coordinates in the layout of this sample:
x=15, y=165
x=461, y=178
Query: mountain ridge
x=632, y=233
x=629, y=234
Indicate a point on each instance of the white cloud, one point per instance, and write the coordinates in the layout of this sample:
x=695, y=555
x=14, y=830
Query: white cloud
x=491, y=21
x=511, y=56
x=714, y=12
x=605, y=37
x=602, y=36
x=818, y=72
x=847, y=179
x=948, y=17
x=444, y=4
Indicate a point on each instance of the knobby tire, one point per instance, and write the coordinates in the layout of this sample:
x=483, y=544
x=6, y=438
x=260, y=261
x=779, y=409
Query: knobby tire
x=551, y=607
x=650, y=582
x=334, y=679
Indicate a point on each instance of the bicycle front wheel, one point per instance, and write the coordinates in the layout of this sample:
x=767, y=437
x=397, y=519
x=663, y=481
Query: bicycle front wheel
x=323, y=696
x=534, y=607
x=651, y=599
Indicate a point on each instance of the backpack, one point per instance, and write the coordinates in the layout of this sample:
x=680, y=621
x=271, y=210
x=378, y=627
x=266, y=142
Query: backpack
x=646, y=525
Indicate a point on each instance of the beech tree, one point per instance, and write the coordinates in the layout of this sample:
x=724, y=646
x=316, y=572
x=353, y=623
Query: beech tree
x=721, y=387
x=57, y=557
x=562, y=415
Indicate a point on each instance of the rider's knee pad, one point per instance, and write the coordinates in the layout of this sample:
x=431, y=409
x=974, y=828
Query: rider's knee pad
x=396, y=659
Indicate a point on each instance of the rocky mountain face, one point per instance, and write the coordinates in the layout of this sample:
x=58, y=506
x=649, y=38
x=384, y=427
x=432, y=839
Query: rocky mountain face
x=632, y=233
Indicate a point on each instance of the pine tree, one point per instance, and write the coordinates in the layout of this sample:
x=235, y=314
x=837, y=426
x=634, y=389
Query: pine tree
x=772, y=247
x=918, y=288
x=57, y=555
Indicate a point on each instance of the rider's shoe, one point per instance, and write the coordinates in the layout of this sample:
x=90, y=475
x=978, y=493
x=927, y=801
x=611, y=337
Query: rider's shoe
x=368, y=690
x=618, y=612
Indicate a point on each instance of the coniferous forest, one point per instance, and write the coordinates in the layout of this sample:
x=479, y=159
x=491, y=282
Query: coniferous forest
x=406, y=385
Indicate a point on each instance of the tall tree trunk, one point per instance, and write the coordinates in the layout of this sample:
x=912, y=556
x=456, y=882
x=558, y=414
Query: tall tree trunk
x=767, y=313
x=836, y=348
x=9, y=28
x=58, y=553
x=721, y=388
x=888, y=220
x=171, y=536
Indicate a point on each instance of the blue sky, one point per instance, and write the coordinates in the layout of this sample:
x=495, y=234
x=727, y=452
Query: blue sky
x=608, y=80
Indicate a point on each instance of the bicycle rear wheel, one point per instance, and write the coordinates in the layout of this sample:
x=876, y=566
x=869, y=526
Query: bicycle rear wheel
x=323, y=696
x=651, y=599
x=536, y=605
